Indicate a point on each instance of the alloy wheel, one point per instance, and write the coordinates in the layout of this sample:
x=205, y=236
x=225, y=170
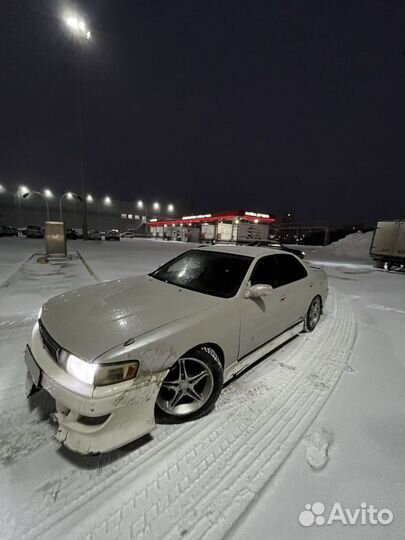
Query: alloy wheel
x=314, y=312
x=187, y=387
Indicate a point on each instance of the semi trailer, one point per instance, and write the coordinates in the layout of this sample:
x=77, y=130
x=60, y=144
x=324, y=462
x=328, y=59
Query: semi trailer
x=388, y=244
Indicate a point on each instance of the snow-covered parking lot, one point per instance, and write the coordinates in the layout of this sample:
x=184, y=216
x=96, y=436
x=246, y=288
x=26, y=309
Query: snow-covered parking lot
x=320, y=420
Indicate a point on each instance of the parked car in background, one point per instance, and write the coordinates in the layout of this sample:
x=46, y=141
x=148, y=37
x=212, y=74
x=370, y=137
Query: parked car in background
x=277, y=245
x=119, y=354
x=34, y=231
x=112, y=234
x=94, y=234
x=71, y=234
x=130, y=233
x=7, y=230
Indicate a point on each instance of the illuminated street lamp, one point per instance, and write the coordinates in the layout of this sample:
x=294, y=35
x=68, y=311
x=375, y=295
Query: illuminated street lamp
x=170, y=208
x=143, y=206
x=48, y=193
x=107, y=201
x=77, y=26
x=2, y=188
x=68, y=195
x=79, y=29
x=89, y=198
x=43, y=196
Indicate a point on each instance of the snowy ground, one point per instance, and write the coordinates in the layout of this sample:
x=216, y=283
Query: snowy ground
x=320, y=420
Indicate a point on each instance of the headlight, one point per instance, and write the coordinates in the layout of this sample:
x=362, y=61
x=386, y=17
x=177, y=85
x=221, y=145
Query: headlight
x=100, y=375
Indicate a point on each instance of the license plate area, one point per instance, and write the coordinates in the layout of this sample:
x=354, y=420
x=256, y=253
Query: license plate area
x=33, y=367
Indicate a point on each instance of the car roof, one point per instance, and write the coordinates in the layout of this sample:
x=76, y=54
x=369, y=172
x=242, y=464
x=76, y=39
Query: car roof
x=247, y=251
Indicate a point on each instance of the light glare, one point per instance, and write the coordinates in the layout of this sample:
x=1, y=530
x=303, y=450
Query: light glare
x=48, y=193
x=72, y=22
x=78, y=26
x=83, y=371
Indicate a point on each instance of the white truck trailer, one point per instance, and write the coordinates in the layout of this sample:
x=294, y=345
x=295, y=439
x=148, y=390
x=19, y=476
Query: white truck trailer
x=388, y=244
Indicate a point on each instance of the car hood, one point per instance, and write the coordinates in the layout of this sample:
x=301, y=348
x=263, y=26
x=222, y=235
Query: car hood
x=91, y=320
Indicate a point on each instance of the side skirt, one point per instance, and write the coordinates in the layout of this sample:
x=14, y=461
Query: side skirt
x=253, y=357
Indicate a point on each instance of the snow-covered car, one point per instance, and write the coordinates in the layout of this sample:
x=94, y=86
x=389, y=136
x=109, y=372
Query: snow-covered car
x=94, y=234
x=34, y=231
x=7, y=230
x=120, y=354
x=112, y=234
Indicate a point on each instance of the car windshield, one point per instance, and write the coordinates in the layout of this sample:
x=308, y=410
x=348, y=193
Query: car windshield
x=208, y=272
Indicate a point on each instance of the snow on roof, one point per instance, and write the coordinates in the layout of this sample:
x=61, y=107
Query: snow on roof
x=248, y=251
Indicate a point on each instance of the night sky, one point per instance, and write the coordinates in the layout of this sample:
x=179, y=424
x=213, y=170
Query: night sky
x=276, y=105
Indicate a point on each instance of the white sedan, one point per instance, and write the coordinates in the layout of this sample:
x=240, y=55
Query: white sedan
x=118, y=355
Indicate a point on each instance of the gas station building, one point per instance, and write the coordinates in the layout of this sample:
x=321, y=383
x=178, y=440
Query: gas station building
x=230, y=226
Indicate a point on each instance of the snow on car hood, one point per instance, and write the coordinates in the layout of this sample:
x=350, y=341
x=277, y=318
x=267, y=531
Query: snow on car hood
x=91, y=320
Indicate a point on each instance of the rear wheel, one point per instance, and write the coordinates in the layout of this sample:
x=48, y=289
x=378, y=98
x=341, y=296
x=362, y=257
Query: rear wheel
x=191, y=387
x=313, y=314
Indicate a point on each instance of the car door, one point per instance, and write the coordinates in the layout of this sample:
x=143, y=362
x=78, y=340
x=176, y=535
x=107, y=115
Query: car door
x=263, y=318
x=296, y=287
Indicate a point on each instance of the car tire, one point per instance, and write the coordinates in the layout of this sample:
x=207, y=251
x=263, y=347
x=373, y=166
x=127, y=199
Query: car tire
x=313, y=314
x=198, y=373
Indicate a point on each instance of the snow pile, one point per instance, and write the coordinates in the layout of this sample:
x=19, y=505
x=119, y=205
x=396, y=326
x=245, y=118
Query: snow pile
x=351, y=246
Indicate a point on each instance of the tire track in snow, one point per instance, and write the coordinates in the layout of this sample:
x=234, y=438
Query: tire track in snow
x=195, y=480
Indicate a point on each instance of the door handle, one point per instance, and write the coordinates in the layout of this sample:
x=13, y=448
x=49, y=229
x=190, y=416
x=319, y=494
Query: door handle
x=283, y=298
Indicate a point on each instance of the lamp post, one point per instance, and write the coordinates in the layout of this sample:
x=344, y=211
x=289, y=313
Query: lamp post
x=141, y=205
x=69, y=195
x=45, y=196
x=80, y=31
x=17, y=197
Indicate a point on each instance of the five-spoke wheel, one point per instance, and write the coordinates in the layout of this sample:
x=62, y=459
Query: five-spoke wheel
x=313, y=314
x=191, y=387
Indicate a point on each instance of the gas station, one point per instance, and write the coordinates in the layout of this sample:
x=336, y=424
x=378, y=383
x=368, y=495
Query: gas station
x=230, y=226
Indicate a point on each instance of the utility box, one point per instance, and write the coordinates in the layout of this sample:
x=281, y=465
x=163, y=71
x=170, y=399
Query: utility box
x=388, y=244
x=55, y=239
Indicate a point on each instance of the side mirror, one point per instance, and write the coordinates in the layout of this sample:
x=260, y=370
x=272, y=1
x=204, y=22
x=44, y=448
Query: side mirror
x=257, y=291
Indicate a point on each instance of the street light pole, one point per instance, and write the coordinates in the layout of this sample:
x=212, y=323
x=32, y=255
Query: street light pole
x=80, y=31
x=69, y=195
x=81, y=143
x=26, y=195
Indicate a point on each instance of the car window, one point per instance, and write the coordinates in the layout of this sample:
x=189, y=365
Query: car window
x=208, y=272
x=266, y=272
x=290, y=269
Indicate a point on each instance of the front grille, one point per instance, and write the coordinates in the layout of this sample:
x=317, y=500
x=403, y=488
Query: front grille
x=49, y=343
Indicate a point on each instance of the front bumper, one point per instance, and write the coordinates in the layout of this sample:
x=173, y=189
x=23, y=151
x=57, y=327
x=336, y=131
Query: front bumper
x=93, y=420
